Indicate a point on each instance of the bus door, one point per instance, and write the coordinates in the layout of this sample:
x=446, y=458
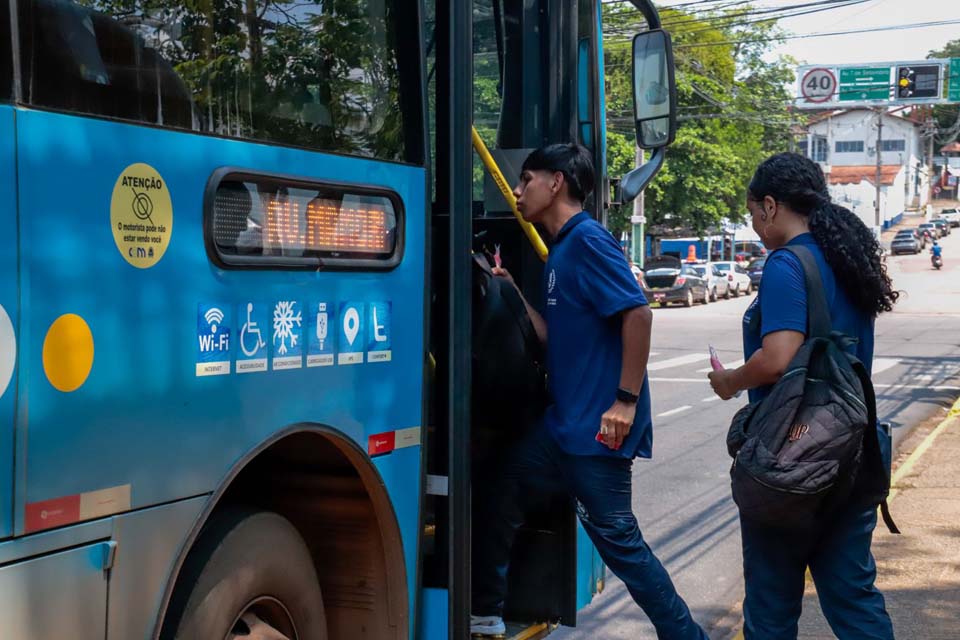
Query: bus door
x=9, y=291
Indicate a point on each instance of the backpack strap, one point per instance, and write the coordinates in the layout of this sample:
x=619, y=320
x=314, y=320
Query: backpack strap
x=818, y=313
x=871, y=443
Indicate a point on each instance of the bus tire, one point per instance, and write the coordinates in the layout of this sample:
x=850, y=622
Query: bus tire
x=247, y=561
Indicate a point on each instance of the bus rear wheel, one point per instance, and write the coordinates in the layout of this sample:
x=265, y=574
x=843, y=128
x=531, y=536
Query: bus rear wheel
x=250, y=575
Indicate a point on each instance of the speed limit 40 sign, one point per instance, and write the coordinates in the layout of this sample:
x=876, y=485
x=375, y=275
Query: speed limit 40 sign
x=818, y=85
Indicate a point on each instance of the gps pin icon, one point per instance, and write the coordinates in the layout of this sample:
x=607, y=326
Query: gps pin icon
x=351, y=324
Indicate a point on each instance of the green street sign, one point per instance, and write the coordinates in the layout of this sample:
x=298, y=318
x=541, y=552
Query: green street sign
x=953, y=81
x=864, y=83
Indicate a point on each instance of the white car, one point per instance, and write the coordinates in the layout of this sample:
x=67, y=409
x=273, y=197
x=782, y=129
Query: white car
x=737, y=277
x=717, y=282
x=952, y=216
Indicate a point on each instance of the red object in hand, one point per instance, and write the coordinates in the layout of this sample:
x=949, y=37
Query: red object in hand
x=599, y=438
x=496, y=256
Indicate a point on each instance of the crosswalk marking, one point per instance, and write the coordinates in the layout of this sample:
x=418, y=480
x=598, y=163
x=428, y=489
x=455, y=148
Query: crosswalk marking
x=711, y=399
x=673, y=411
x=882, y=364
x=732, y=365
x=676, y=362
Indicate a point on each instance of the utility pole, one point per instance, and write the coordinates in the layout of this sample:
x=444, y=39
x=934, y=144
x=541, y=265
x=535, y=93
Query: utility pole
x=637, y=221
x=876, y=207
x=931, y=132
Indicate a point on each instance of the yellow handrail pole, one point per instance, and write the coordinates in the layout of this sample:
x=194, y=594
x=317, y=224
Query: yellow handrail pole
x=507, y=192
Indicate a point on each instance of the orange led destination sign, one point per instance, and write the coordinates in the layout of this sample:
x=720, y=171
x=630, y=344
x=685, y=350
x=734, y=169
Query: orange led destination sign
x=324, y=224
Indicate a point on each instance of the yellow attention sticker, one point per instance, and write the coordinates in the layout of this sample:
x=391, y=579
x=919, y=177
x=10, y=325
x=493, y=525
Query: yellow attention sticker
x=141, y=215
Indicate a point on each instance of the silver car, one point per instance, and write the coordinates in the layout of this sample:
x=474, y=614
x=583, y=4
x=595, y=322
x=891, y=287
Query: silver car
x=717, y=282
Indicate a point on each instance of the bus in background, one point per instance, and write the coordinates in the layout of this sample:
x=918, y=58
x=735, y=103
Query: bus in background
x=235, y=308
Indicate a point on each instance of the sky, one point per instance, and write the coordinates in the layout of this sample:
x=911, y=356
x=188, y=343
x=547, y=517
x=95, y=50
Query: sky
x=890, y=46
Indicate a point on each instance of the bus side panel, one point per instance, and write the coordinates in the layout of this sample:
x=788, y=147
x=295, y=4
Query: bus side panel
x=590, y=568
x=147, y=546
x=143, y=428
x=9, y=303
x=59, y=596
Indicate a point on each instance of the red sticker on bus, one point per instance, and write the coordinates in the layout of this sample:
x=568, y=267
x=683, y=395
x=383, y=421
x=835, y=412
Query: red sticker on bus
x=381, y=443
x=52, y=513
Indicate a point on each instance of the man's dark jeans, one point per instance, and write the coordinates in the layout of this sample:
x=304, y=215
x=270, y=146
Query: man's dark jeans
x=602, y=487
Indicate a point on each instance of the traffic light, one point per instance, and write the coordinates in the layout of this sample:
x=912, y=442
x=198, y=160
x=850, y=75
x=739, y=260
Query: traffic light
x=921, y=81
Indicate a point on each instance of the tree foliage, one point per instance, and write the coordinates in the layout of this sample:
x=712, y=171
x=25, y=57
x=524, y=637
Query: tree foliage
x=312, y=72
x=733, y=108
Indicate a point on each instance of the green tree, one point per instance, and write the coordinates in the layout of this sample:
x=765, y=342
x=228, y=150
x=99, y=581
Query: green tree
x=733, y=110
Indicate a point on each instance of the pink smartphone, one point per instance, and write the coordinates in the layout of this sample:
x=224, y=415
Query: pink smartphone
x=717, y=365
x=715, y=359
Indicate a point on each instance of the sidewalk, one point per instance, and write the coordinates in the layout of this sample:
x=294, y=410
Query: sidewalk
x=919, y=570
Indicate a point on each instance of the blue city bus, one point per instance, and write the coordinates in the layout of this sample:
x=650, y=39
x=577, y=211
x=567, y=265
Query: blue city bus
x=235, y=308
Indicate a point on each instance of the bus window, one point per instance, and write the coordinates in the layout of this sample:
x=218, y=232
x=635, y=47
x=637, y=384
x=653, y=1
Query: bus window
x=586, y=71
x=261, y=222
x=323, y=76
x=6, y=54
x=488, y=61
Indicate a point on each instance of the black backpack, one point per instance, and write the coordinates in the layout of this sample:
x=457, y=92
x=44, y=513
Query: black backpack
x=509, y=376
x=812, y=445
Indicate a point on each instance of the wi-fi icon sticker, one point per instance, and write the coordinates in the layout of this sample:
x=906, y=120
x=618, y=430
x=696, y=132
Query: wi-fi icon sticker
x=214, y=317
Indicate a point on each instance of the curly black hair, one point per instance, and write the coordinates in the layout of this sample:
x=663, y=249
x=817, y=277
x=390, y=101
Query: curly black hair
x=848, y=245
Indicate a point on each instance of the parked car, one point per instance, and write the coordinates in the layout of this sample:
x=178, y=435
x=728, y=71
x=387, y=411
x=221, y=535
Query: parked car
x=716, y=281
x=736, y=276
x=666, y=280
x=755, y=271
x=952, y=216
x=905, y=242
x=942, y=225
x=931, y=229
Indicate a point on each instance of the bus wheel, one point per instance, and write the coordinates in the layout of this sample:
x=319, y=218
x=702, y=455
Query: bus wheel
x=249, y=576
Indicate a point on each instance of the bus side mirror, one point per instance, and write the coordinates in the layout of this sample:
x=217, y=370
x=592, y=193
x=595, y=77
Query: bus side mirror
x=654, y=106
x=654, y=89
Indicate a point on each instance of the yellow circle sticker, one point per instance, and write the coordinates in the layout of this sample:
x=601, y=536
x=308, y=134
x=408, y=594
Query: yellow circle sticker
x=141, y=215
x=68, y=352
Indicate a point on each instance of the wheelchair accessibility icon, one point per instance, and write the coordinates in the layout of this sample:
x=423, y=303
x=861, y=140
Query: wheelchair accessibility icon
x=250, y=334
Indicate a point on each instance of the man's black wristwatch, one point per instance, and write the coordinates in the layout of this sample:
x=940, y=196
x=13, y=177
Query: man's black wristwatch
x=625, y=396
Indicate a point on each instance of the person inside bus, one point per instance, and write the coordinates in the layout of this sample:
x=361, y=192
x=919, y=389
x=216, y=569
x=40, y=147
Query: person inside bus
x=598, y=324
x=790, y=205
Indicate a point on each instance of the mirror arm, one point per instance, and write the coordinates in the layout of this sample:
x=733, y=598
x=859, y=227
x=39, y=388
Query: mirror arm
x=634, y=182
x=649, y=12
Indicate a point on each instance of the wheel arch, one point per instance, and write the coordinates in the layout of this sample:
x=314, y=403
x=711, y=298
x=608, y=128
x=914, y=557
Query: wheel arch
x=324, y=463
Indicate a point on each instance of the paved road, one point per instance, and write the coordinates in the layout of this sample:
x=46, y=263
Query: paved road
x=682, y=496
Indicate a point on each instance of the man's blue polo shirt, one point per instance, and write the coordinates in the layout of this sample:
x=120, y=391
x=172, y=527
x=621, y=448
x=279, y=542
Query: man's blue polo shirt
x=782, y=304
x=588, y=284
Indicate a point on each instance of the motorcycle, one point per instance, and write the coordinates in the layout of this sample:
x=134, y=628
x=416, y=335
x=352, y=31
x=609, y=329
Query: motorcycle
x=937, y=262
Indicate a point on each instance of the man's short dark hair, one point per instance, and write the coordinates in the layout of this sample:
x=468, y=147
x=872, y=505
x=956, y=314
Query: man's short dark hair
x=572, y=160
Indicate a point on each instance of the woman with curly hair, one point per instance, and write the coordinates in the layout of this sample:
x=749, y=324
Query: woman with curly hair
x=790, y=205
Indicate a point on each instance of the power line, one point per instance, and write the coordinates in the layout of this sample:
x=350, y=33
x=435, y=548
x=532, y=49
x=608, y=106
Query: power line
x=901, y=27
x=709, y=23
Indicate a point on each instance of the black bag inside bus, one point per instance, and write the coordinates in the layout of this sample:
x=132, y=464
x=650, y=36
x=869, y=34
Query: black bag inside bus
x=509, y=379
x=812, y=445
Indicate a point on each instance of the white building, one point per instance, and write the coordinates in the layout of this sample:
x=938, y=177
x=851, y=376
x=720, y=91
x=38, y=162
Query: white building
x=844, y=143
